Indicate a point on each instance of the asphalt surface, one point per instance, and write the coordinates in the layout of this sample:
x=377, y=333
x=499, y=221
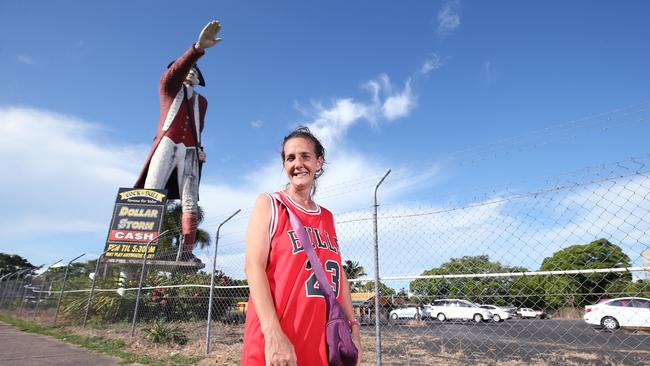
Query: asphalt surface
x=520, y=340
x=19, y=348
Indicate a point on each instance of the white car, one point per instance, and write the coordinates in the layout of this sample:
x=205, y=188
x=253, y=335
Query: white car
x=411, y=312
x=499, y=314
x=458, y=309
x=620, y=312
x=530, y=313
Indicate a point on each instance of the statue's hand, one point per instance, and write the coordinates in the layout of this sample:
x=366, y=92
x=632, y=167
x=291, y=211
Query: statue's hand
x=208, y=35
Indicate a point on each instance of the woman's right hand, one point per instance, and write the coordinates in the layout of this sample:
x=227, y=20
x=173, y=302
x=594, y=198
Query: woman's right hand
x=278, y=350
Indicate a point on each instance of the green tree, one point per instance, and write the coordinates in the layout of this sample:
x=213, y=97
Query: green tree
x=623, y=288
x=370, y=287
x=11, y=263
x=168, y=245
x=354, y=270
x=527, y=292
x=582, y=289
x=492, y=290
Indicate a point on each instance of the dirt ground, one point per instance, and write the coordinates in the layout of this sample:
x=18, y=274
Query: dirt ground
x=404, y=350
x=226, y=346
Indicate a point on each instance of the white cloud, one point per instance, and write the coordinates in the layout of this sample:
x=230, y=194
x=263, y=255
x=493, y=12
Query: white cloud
x=330, y=123
x=399, y=105
x=25, y=60
x=448, y=18
x=257, y=123
x=62, y=178
x=433, y=62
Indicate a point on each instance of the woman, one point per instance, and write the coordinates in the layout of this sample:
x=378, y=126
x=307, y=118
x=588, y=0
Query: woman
x=285, y=322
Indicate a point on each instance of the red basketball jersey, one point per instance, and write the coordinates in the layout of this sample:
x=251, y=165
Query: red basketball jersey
x=299, y=304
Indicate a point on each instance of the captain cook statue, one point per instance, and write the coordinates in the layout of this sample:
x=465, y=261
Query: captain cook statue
x=175, y=160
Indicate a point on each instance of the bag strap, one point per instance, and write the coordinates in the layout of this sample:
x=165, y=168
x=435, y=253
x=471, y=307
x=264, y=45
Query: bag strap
x=301, y=232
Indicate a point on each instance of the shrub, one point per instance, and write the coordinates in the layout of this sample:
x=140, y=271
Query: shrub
x=161, y=331
x=108, y=307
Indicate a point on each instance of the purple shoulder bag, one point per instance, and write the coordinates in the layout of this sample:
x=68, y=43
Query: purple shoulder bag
x=341, y=350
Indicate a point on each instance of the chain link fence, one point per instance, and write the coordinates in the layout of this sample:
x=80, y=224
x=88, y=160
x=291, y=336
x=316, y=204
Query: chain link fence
x=506, y=278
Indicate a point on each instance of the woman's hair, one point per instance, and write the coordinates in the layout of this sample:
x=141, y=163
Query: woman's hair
x=319, y=150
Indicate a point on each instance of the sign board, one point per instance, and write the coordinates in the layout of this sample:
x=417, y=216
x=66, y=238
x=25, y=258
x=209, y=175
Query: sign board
x=137, y=220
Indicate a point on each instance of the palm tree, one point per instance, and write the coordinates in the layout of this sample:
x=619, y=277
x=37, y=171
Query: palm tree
x=168, y=244
x=354, y=270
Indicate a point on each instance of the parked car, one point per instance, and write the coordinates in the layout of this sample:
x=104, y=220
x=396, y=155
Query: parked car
x=530, y=313
x=410, y=312
x=619, y=312
x=458, y=309
x=499, y=314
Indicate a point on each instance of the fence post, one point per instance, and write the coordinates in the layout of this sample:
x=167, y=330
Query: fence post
x=40, y=292
x=179, y=243
x=22, y=300
x=25, y=288
x=20, y=287
x=144, y=265
x=4, y=288
x=92, y=288
x=377, y=289
x=214, y=268
x=65, y=277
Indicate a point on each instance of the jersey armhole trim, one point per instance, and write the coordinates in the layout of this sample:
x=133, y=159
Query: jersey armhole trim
x=273, y=226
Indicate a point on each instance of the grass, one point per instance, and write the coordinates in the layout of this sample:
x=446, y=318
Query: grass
x=100, y=344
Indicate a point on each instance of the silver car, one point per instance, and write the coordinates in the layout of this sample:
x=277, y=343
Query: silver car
x=499, y=314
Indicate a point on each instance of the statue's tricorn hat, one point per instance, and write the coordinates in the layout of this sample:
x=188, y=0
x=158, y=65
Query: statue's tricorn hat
x=198, y=71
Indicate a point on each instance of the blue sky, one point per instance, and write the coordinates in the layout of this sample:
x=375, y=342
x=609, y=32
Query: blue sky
x=407, y=86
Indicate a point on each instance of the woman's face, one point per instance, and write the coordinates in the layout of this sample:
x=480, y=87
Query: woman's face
x=301, y=163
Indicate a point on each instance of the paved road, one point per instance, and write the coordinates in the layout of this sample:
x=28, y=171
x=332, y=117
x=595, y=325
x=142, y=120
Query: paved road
x=19, y=348
x=521, y=339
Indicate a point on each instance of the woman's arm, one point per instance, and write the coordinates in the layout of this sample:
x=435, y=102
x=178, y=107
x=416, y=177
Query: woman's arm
x=277, y=347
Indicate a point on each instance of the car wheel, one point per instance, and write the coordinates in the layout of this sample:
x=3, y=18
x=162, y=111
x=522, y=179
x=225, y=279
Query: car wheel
x=609, y=323
x=393, y=316
x=496, y=318
x=478, y=318
x=442, y=317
